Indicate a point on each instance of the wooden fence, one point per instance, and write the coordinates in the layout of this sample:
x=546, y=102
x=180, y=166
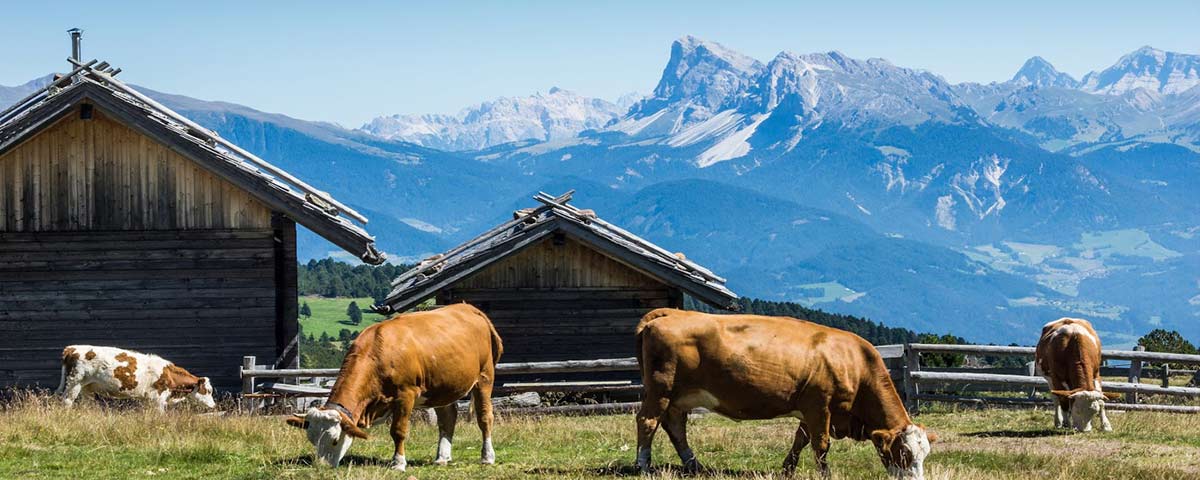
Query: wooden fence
x=917, y=383
x=915, y=377
x=252, y=373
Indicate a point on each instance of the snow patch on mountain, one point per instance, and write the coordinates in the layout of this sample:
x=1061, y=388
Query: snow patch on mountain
x=554, y=115
x=1147, y=68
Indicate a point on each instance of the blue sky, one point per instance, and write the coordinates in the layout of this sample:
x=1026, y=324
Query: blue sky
x=349, y=63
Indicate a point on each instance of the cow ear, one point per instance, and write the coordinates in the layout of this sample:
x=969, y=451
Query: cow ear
x=929, y=435
x=298, y=421
x=881, y=438
x=352, y=429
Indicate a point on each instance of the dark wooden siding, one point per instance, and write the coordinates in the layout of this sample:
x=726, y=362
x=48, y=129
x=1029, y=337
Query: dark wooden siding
x=562, y=300
x=200, y=298
x=98, y=174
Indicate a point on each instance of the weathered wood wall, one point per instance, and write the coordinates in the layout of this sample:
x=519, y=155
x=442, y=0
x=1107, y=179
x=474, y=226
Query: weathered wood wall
x=560, y=300
x=108, y=237
x=98, y=174
x=200, y=298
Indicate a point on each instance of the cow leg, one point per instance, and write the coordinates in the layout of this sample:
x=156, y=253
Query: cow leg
x=1105, y=426
x=654, y=405
x=482, y=398
x=400, y=419
x=447, y=416
x=819, y=436
x=675, y=423
x=71, y=390
x=798, y=444
x=1061, y=413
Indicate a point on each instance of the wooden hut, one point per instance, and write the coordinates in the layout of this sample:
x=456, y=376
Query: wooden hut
x=123, y=223
x=560, y=283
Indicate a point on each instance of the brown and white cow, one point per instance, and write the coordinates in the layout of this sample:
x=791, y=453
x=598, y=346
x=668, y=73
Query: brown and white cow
x=1068, y=355
x=422, y=359
x=749, y=367
x=120, y=373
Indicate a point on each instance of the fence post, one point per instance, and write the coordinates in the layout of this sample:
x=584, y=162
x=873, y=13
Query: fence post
x=1031, y=370
x=248, y=363
x=1135, y=375
x=1166, y=375
x=912, y=363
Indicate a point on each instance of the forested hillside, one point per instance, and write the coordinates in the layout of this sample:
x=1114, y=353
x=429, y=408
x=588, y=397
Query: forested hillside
x=331, y=278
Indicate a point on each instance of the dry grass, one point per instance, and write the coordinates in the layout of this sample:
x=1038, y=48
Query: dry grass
x=40, y=439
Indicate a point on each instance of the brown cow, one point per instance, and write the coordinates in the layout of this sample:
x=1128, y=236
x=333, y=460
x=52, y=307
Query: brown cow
x=423, y=359
x=1068, y=355
x=749, y=367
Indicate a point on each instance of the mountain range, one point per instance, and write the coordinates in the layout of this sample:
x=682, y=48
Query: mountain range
x=851, y=185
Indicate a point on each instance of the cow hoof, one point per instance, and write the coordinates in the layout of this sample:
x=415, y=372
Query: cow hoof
x=442, y=461
x=487, y=461
x=399, y=463
x=693, y=466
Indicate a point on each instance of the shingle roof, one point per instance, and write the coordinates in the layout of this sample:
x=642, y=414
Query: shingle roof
x=531, y=225
x=307, y=206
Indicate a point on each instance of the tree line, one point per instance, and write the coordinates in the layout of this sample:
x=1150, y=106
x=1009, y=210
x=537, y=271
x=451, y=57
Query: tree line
x=331, y=278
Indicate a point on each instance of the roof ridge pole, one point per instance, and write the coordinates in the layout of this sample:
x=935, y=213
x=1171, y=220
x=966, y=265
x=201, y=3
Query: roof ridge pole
x=4, y=115
x=278, y=172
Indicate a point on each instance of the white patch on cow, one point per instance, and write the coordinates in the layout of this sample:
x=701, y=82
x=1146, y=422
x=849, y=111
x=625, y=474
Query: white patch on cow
x=443, y=451
x=1085, y=405
x=696, y=399
x=915, y=441
x=488, y=454
x=399, y=463
x=324, y=431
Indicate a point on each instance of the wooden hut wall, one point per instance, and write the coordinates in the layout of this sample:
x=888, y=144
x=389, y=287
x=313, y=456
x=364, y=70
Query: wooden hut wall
x=561, y=300
x=98, y=174
x=109, y=238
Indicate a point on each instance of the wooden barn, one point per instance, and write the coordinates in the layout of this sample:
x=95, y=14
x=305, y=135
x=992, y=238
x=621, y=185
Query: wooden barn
x=123, y=223
x=560, y=283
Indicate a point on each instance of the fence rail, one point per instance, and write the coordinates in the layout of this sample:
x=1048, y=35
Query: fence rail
x=251, y=373
x=914, y=378
x=904, y=362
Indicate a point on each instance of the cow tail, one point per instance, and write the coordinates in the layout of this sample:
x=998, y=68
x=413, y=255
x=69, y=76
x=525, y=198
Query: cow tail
x=497, y=345
x=66, y=367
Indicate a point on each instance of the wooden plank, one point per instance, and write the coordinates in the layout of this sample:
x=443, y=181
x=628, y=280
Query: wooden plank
x=50, y=295
x=70, y=315
x=136, y=274
x=89, y=287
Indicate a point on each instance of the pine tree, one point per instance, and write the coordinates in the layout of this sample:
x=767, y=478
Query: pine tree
x=305, y=311
x=354, y=313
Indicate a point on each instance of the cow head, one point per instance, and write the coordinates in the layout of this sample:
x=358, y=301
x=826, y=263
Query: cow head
x=330, y=431
x=903, y=450
x=202, y=393
x=1085, y=405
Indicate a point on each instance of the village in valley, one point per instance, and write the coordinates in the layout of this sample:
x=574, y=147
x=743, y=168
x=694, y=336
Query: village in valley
x=815, y=267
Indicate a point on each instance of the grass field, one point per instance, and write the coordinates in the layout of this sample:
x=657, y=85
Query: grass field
x=329, y=315
x=39, y=439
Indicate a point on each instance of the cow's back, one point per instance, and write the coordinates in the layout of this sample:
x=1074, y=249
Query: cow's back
x=1068, y=353
x=440, y=350
x=753, y=366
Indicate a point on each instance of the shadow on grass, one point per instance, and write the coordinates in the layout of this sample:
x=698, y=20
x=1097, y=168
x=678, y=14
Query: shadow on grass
x=1048, y=432
x=632, y=471
x=348, y=460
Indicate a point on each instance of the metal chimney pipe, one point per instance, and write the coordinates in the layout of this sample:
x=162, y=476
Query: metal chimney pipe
x=76, y=40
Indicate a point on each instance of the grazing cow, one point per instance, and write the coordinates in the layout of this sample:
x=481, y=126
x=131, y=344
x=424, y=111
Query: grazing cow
x=422, y=359
x=119, y=373
x=749, y=367
x=1068, y=355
